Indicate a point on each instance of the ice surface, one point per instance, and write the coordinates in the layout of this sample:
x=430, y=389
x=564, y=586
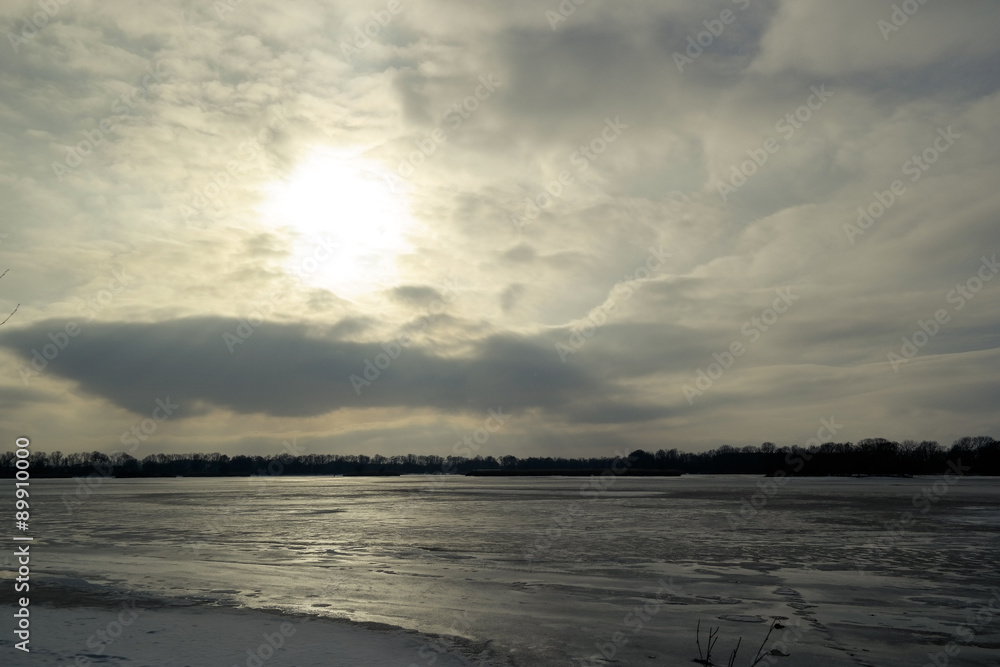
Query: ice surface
x=546, y=571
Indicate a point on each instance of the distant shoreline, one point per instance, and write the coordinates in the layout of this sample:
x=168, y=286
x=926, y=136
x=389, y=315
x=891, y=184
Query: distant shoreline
x=869, y=457
x=573, y=472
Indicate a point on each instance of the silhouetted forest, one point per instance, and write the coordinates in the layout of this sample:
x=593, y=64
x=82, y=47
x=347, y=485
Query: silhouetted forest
x=873, y=456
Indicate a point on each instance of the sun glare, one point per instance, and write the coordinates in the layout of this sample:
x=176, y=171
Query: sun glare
x=347, y=221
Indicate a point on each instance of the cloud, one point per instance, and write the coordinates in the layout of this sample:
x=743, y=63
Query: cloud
x=158, y=238
x=415, y=295
x=287, y=370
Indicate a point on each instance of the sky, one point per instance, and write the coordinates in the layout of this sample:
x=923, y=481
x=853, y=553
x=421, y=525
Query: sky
x=497, y=227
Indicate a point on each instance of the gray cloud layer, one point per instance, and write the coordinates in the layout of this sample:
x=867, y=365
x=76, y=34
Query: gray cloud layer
x=294, y=370
x=159, y=238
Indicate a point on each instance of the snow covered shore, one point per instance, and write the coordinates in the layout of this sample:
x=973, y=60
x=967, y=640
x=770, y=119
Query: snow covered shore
x=70, y=627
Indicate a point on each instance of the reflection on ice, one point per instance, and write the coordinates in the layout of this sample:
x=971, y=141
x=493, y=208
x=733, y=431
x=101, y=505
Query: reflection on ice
x=546, y=573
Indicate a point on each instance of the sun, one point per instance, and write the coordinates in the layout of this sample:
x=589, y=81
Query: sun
x=347, y=218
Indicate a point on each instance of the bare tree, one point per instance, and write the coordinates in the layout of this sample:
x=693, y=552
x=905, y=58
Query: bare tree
x=15, y=307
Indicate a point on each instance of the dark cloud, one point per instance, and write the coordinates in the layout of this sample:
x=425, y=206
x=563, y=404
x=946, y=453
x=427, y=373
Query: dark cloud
x=415, y=295
x=511, y=295
x=301, y=370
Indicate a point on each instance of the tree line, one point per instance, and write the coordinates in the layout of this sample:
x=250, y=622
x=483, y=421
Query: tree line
x=871, y=456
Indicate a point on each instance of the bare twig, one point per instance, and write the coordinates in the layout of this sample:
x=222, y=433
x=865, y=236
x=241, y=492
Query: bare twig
x=15, y=307
x=732, y=657
x=697, y=637
x=11, y=315
x=760, y=656
x=713, y=638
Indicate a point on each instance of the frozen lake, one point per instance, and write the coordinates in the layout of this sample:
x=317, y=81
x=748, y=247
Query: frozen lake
x=546, y=571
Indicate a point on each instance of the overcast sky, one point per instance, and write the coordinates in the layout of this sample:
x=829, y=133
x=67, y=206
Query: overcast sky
x=364, y=225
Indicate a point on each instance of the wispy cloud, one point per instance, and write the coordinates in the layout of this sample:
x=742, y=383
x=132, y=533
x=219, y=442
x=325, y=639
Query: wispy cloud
x=154, y=142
